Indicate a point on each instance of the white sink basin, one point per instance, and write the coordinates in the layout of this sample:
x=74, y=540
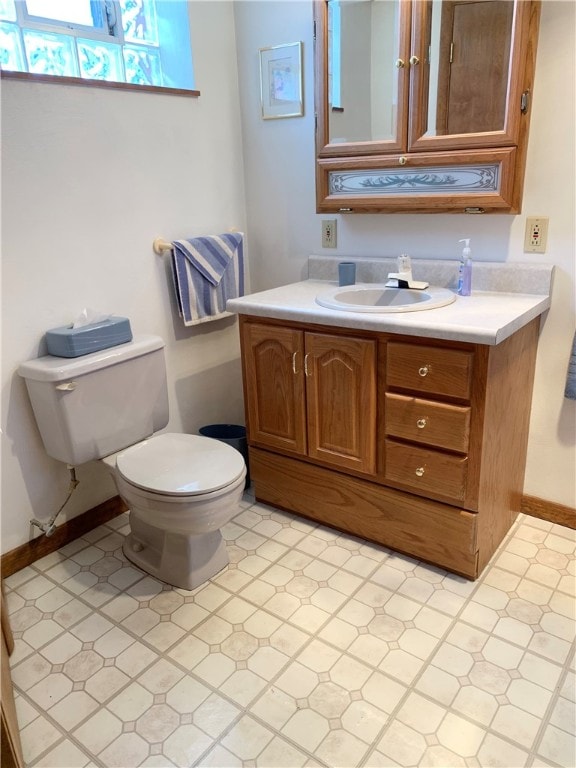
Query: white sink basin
x=373, y=297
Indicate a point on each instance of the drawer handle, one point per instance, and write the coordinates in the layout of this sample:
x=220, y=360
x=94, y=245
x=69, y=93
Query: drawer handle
x=424, y=370
x=420, y=471
x=421, y=423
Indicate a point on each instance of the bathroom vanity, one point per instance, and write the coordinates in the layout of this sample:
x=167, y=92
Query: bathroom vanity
x=407, y=429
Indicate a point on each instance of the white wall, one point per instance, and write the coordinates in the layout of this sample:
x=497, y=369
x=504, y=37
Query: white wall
x=279, y=162
x=89, y=178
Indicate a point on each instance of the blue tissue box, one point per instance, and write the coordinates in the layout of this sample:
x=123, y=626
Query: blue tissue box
x=74, y=342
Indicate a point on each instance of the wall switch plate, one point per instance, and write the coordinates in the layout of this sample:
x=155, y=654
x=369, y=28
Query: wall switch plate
x=536, y=235
x=328, y=233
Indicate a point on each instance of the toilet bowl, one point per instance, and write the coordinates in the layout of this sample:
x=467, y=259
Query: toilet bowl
x=111, y=405
x=180, y=490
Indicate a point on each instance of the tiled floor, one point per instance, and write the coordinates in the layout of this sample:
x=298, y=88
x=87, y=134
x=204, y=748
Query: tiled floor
x=311, y=649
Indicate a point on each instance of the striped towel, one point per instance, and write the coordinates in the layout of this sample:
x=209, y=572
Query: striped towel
x=570, y=391
x=207, y=272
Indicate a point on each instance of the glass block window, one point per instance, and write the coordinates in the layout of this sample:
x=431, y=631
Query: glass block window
x=100, y=61
x=11, y=50
x=50, y=54
x=141, y=42
x=7, y=10
x=142, y=65
x=139, y=21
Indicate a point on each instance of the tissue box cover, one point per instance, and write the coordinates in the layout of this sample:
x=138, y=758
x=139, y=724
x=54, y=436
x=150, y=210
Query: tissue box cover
x=74, y=342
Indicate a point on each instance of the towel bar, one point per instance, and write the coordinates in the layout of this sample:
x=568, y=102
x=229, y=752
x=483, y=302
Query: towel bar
x=160, y=246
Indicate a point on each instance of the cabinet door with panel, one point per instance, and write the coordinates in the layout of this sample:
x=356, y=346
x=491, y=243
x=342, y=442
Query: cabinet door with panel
x=274, y=386
x=341, y=396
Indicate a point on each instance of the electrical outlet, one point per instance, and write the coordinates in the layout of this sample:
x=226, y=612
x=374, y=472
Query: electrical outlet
x=536, y=235
x=328, y=233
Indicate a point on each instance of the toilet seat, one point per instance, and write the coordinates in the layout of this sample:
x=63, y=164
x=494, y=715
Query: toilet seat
x=180, y=465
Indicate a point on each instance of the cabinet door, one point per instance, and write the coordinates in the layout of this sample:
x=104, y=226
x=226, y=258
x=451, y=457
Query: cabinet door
x=274, y=381
x=365, y=48
x=341, y=397
x=465, y=90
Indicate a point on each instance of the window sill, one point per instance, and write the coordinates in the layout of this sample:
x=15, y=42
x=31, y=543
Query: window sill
x=59, y=80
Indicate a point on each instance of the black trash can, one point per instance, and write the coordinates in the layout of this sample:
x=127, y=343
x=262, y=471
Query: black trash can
x=234, y=435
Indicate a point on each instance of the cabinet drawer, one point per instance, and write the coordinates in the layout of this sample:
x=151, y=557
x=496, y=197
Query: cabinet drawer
x=426, y=471
x=423, y=421
x=429, y=369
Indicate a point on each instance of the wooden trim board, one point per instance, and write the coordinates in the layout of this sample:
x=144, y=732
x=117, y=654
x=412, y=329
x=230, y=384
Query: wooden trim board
x=42, y=545
x=549, y=510
x=28, y=553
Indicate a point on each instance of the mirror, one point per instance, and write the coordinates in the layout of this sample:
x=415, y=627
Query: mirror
x=363, y=46
x=468, y=65
x=463, y=51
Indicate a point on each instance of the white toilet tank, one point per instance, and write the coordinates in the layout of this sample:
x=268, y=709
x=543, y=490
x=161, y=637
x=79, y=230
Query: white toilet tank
x=88, y=407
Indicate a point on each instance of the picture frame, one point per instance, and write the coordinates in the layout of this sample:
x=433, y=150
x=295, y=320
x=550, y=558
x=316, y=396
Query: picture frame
x=281, y=81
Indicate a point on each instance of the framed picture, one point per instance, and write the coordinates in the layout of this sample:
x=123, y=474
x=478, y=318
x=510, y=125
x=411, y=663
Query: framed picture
x=281, y=81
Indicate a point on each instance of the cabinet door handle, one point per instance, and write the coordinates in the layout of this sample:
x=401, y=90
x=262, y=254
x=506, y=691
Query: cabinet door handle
x=294, y=356
x=424, y=370
x=306, y=365
x=414, y=60
x=400, y=63
x=420, y=471
x=421, y=423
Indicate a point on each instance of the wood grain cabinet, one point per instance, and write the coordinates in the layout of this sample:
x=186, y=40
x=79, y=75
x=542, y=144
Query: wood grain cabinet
x=421, y=106
x=417, y=444
x=312, y=394
x=428, y=435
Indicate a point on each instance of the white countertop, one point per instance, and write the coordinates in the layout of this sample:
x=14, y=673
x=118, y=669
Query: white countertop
x=482, y=318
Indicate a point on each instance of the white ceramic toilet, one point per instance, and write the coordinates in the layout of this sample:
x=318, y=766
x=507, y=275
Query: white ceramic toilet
x=180, y=489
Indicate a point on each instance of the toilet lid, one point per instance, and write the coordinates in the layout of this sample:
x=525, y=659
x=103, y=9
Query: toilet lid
x=175, y=464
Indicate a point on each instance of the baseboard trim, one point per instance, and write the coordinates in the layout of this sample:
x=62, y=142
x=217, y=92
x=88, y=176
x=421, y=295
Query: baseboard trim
x=28, y=553
x=549, y=510
x=41, y=546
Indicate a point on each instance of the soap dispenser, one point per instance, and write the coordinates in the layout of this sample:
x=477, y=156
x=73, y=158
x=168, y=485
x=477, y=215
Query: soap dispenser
x=465, y=272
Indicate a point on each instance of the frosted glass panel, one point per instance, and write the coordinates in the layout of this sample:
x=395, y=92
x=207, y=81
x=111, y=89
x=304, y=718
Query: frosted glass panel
x=11, y=54
x=50, y=54
x=77, y=12
x=7, y=10
x=139, y=21
x=142, y=66
x=100, y=61
x=408, y=181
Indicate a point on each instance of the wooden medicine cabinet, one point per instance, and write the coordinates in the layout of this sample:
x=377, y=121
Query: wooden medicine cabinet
x=423, y=105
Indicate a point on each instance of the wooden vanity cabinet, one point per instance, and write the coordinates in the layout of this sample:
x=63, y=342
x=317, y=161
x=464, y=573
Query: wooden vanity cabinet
x=417, y=444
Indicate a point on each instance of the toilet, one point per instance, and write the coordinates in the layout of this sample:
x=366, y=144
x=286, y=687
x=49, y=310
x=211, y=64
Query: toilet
x=180, y=489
